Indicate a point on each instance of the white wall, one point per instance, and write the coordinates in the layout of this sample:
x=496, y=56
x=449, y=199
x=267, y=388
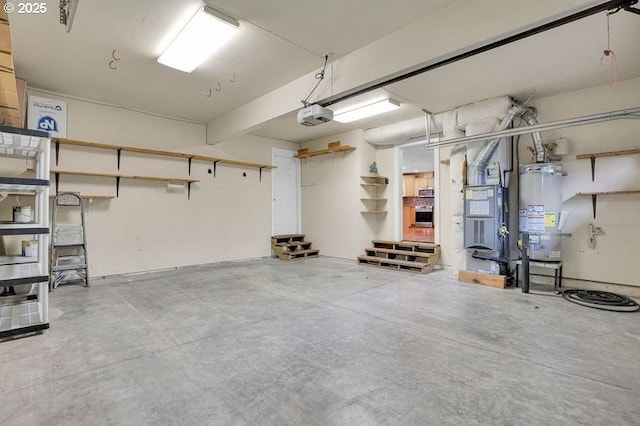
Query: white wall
x=615, y=257
x=331, y=195
x=148, y=228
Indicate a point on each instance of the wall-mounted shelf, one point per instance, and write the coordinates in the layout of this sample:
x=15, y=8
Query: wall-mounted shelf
x=119, y=176
x=86, y=196
x=595, y=155
x=332, y=148
x=373, y=184
x=595, y=195
x=149, y=151
x=92, y=197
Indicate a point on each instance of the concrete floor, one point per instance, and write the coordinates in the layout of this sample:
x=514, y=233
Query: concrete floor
x=318, y=342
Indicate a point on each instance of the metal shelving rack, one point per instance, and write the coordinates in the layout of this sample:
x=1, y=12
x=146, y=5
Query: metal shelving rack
x=27, y=312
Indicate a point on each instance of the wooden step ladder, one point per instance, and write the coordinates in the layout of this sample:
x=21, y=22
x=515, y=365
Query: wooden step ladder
x=292, y=246
x=402, y=255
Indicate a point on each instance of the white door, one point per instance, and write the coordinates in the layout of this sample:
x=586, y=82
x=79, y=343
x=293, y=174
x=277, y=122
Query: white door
x=285, y=192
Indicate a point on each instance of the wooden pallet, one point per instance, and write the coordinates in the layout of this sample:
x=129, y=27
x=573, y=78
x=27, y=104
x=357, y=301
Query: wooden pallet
x=402, y=255
x=300, y=254
x=286, y=238
x=292, y=246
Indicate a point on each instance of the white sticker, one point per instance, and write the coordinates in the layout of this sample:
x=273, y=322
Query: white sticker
x=555, y=253
x=545, y=237
x=479, y=208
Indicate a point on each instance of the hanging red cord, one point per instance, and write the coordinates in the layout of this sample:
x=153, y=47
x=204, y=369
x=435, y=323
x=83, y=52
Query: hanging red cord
x=613, y=68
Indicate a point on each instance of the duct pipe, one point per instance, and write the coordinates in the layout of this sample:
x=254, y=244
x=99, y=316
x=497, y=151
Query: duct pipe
x=427, y=124
x=402, y=131
x=479, y=165
x=529, y=116
x=630, y=113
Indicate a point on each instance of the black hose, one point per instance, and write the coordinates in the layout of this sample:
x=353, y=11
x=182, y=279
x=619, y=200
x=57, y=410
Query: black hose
x=601, y=300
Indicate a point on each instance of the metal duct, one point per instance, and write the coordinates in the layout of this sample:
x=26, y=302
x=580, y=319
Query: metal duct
x=403, y=131
x=481, y=162
x=529, y=116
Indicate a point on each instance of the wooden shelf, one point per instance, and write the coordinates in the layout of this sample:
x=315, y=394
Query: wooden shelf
x=121, y=175
x=595, y=155
x=332, y=148
x=595, y=195
x=631, y=191
x=608, y=154
x=159, y=152
x=374, y=202
x=94, y=197
x=118, y=176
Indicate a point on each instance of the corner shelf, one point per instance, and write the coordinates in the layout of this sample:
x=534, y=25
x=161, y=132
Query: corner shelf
x=332, y=148
x=149, y=151
x=595, y=155
x=594, y=196
x=372, y=184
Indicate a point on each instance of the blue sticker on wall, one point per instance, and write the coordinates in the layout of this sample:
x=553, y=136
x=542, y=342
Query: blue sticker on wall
x=48, y=124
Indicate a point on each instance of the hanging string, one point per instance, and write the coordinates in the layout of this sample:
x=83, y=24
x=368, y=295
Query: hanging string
x=613, y=68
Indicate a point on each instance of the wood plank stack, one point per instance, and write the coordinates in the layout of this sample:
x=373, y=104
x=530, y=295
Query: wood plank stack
x=12, y=97
x=402, y=255
x=292, y=246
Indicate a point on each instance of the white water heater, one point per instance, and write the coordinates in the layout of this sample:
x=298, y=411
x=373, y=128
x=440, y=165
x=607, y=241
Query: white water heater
x=540, y=209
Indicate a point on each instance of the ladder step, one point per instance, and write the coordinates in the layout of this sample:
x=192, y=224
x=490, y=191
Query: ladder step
x=69, y=244
x=68, y=267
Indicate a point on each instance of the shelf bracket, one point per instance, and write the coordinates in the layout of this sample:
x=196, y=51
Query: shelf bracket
x=215, y=165
x=593, y=169
x=117, y=186
x=190, y=158
x=260, y=173
x=119, y=154
x=57, y=151
x=57, y=182
x=594, y=201
x=189, y=189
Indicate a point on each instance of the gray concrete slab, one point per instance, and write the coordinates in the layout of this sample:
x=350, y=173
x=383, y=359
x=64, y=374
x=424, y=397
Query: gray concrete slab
x=318, y=342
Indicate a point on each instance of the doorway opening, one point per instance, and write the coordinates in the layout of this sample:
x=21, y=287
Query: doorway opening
x=418, y=194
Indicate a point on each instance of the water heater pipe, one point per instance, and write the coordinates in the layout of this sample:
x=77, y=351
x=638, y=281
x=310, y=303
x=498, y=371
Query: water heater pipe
x=529, y=116
x=482, y=160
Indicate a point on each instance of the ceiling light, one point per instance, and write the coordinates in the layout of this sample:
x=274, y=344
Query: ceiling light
x=206, y=32
x=366, y=110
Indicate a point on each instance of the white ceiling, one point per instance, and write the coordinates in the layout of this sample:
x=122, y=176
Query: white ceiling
x=561, y=60
x=280, y=40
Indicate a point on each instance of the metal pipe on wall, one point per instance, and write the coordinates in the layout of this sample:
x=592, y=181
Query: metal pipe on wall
x=629, y=114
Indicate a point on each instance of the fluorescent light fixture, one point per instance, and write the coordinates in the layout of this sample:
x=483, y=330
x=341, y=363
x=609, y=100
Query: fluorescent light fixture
x=367, y=110
x=206, y=32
